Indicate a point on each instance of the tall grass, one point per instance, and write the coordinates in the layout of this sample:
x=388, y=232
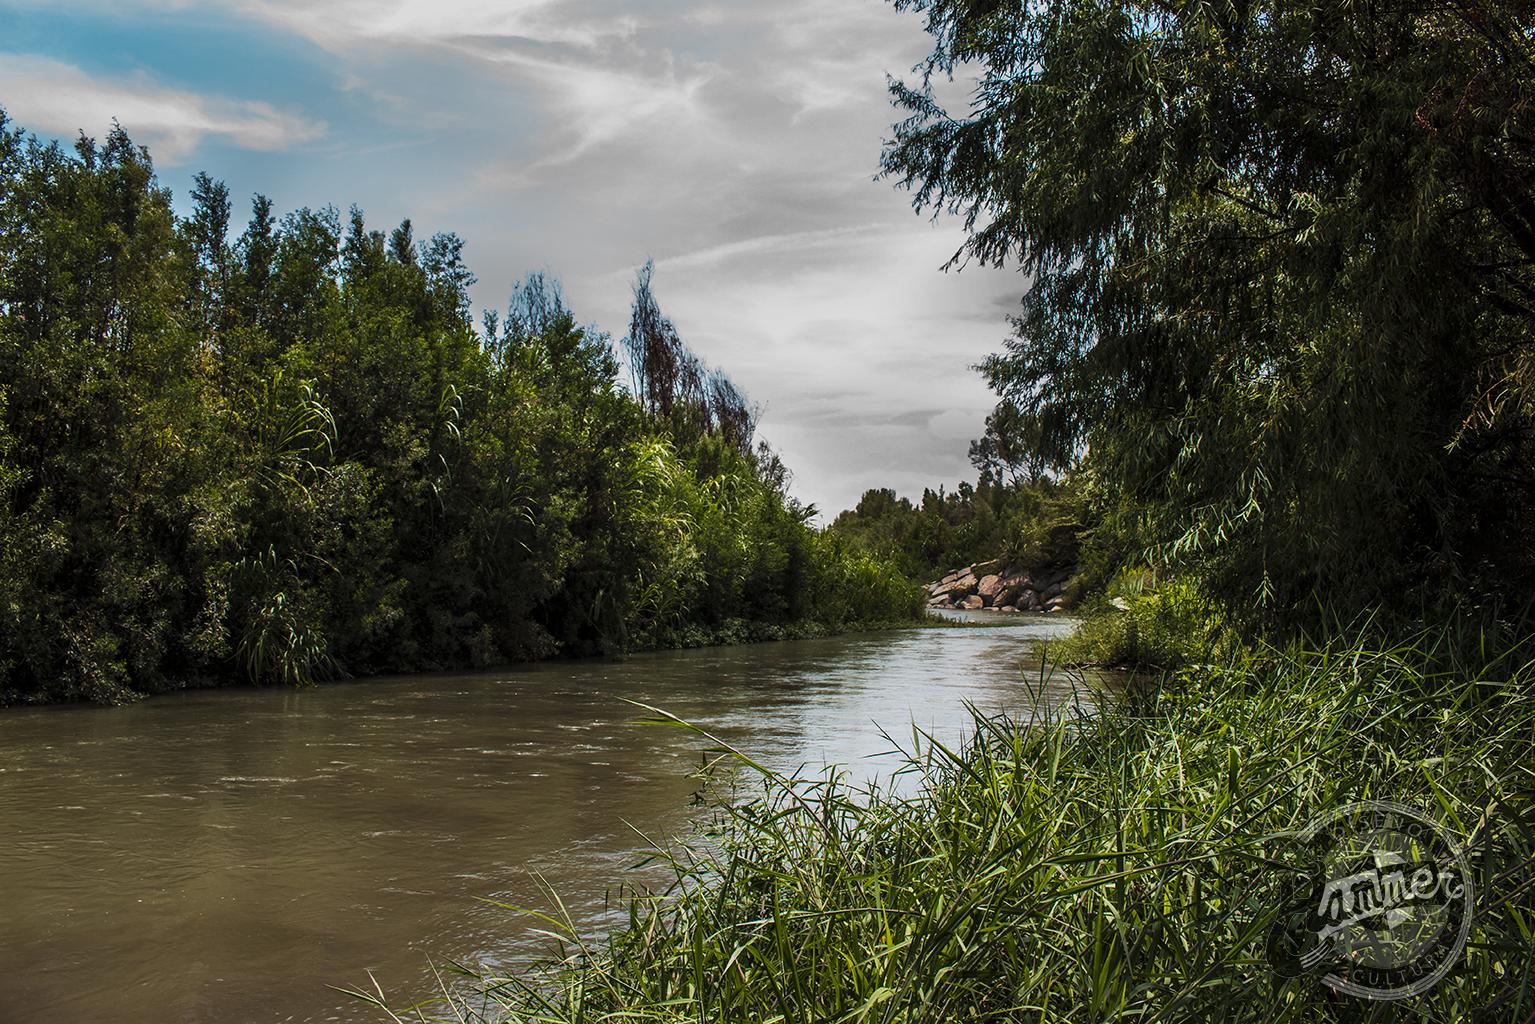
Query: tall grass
x=1122, y=867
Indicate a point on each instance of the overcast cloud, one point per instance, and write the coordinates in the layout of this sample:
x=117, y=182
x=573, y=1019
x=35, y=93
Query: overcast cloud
x=735, y=142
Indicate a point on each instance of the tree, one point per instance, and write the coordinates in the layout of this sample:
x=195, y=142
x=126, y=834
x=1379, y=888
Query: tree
x=673, y=384
x=1270, y=291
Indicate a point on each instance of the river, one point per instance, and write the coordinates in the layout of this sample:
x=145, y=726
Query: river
x=227, y=855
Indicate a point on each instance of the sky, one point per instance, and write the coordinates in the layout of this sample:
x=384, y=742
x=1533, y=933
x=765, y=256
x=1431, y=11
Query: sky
x=735, y=142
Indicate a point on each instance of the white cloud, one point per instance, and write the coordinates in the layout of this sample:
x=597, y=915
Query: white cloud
x=588, y=106
x=578, y=63
x=52, y=96
x=341, y=24
x=796, y=242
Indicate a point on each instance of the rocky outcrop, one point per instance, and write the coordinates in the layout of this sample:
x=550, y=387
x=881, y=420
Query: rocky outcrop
x=990, y=586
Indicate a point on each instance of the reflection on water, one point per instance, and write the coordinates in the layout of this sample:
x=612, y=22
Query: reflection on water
x=226, y=855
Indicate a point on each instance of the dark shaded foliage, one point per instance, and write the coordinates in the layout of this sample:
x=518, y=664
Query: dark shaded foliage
x=1281, y=266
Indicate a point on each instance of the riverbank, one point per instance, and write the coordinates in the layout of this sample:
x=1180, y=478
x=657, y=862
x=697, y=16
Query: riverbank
x=742, y=631
x=1124, y=866
x=731, y=633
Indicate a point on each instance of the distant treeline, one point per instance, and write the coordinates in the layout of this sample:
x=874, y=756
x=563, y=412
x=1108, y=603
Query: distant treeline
x=287, y=453
x=1035, y=523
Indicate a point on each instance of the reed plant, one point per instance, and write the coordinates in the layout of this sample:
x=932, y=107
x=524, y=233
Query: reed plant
x=1124, y=865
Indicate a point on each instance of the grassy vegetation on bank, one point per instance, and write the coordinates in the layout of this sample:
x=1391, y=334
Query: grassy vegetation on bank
x=1123, y=866
x=1138, y=623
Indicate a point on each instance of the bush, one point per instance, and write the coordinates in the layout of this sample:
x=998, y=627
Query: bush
x=1138, y=623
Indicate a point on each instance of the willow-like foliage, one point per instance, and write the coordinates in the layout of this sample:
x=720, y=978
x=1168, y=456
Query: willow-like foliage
x=1278, y=280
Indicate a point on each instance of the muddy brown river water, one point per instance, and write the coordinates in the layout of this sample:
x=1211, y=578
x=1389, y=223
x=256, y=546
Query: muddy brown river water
x=227, y=855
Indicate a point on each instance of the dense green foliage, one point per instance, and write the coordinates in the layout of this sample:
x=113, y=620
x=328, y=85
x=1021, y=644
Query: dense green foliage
x=1022, y=523
x=1139, y=623
x=1281, y=261
x=290, y=455
x=1123, y=866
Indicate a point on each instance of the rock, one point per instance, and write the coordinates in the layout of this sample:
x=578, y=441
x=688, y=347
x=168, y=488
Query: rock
x=992, y=585
x=989, y=609
x=1121, y=604
x=944, y=583
x=948, y=589
x=1013, y=587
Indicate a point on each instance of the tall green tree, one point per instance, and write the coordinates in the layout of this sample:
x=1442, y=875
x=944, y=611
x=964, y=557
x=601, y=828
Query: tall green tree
x=1278, y=275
